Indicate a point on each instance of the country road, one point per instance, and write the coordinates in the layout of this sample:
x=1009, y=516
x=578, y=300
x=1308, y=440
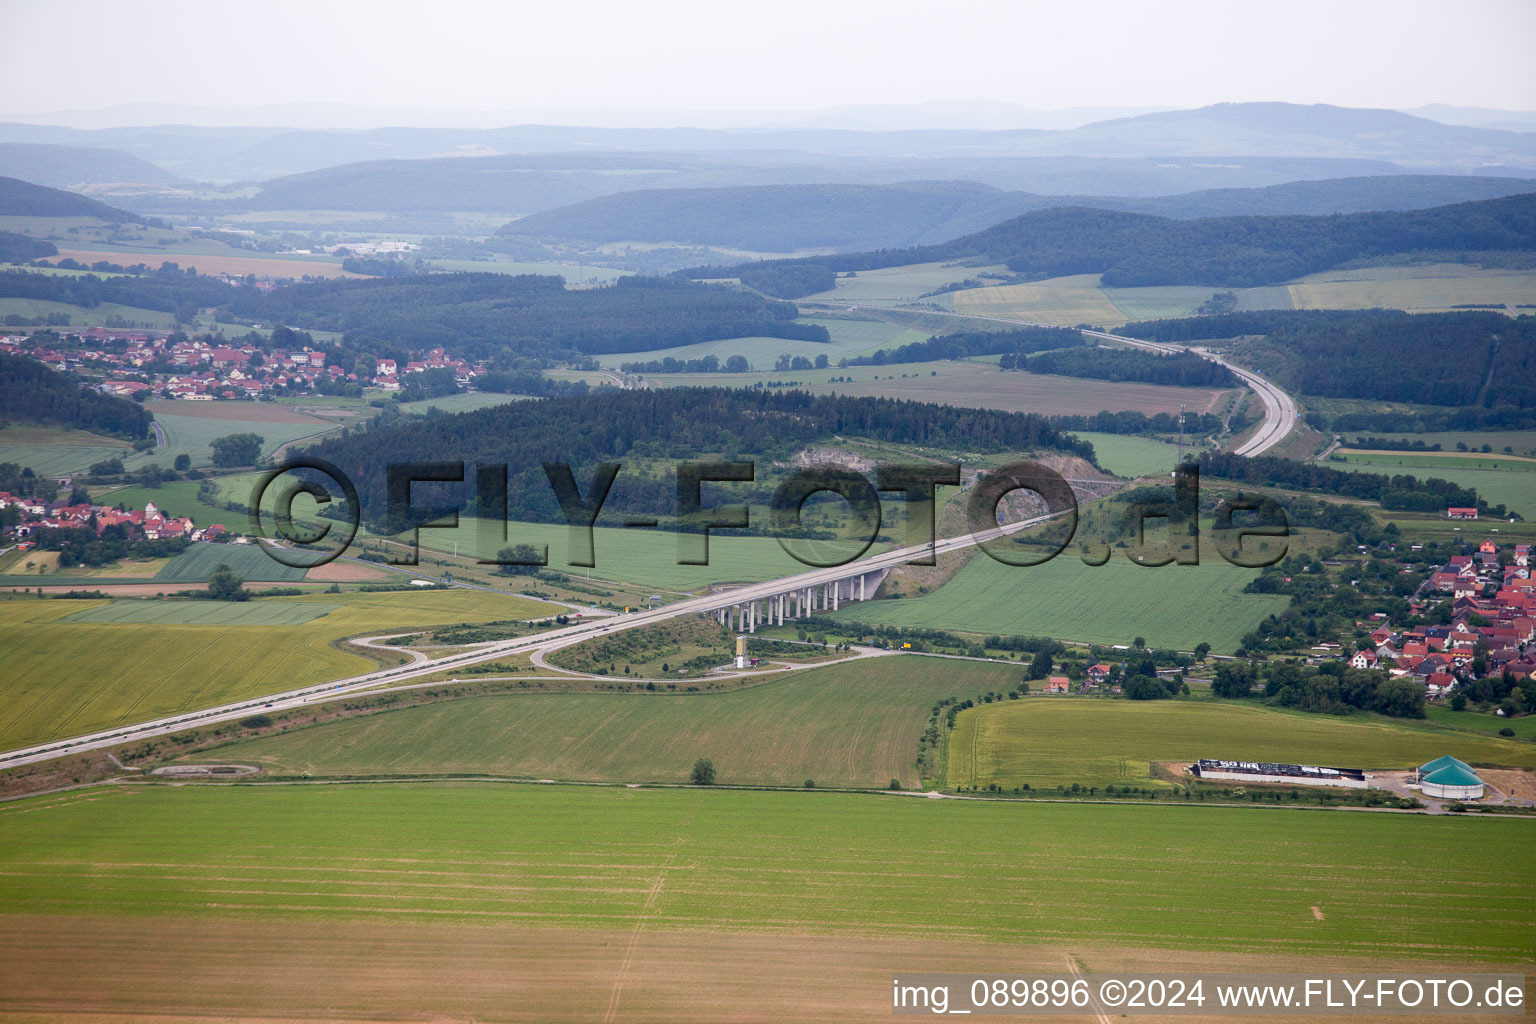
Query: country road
x=1279, y=408
x=549, y=640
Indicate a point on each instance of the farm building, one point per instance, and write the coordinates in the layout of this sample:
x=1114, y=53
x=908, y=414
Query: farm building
x=1264, y=771
x=1461, y=513
x=1450, y=779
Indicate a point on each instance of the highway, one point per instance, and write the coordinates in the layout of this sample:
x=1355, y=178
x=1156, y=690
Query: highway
x=546, y=641
x=1279, y=408
x=1279, y=417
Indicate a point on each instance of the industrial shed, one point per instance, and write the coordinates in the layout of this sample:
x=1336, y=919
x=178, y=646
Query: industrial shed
x=1265, y=771
x=1449, y=779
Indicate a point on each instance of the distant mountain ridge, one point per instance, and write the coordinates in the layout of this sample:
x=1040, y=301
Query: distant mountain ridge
x=1251, y=130
x=786, y=218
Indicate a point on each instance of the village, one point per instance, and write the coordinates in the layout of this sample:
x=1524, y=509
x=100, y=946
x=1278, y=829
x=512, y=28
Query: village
x=33, y=516
x=1493, y=620
x=135, y=362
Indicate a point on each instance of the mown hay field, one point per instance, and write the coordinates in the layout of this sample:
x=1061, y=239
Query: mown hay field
x=1057, y=741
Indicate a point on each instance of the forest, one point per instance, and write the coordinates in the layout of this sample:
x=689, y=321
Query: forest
x=1136, y=249
x=664, y=424
x=35, y=393
x=788, y=282
x=23, y=199
x=1121, y=364
x=966, y=344
x=480, y=316
x=169, y=289
x=16, y=248
x=1474, y=359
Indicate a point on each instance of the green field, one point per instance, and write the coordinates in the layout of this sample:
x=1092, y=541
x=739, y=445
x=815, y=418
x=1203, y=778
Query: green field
x=893, y=285
x=63, y=678
x=460, y=403
x=646, y=556
x=1524, y=726
x=1508, y=482
x=1130, y=456
x=1175, y=606
x=1072, y=876
x=849, y=338
x=575, y=275
x=56, y=451
x=177, y=498
x=57, y=459
x=193, y=435
x=854, y=724
x=1418, y=289
x=88, y=316
x=1520, y=442
x=205, y=613
x=190, y=569
x=1050, y=741
x=199, y=561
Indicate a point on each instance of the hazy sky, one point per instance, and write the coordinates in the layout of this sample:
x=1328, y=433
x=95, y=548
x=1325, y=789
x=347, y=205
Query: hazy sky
x=785, y=55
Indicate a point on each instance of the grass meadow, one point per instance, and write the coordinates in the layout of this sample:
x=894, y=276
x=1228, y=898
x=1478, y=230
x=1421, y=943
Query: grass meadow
x=1430, y=288
x=56, y=451
x=1129, y=456
x=1503, y=481
x=512, y=856
x=1175, y=606
x=1520, y=442
x=193, y=435
x=644, y=556
x=969, y=383
x=61, y=676
x=1055, y=741
x=849, y=338
x=848, y=725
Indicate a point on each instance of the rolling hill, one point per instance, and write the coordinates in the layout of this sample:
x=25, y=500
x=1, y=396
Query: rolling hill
x=1135, y=250
x=785, y=218
x=78, y=166
x=24, y=199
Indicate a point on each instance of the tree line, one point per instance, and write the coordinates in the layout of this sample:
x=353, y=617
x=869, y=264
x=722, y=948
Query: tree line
x=966, y=344
x=34, y=392
x=1133, y=422
x=707, y=364
x=1185, y=369
x=1331, y=688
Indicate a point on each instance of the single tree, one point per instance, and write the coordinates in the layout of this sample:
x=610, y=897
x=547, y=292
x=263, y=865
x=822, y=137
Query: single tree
x=703, y=772
x=224, y=585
